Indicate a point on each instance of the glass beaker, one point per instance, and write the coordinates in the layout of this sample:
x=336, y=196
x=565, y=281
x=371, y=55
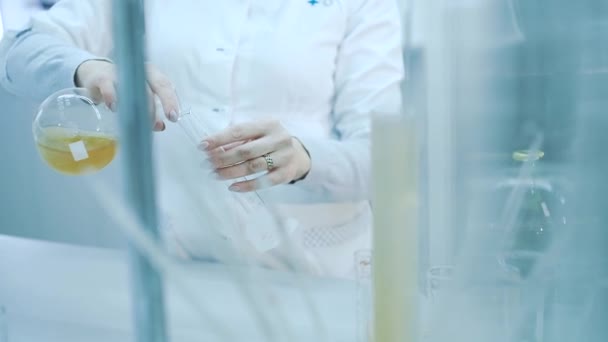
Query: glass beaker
x=75, y=134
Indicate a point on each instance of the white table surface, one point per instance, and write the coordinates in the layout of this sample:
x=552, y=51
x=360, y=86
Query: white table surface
x=56, y=292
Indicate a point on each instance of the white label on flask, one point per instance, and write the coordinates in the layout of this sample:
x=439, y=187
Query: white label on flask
x=79, y=151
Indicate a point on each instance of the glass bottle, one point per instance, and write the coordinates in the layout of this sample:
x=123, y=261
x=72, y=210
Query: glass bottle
x=531, y=215
x=537, y=218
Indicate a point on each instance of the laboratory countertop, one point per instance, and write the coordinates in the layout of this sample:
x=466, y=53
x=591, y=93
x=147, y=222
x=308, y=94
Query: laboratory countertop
x=56, y=292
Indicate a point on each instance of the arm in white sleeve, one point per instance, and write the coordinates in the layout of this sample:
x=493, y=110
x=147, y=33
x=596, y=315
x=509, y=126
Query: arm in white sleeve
x=44, y=57
x=368, y=79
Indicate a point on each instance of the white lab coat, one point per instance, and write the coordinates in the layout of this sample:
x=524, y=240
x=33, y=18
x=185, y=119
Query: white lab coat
x=321, y=69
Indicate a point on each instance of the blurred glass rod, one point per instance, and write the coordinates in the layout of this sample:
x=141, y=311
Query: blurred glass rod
x=136, y=142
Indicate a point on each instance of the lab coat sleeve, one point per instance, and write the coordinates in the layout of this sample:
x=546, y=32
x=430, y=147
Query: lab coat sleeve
x=44, y=57
x=368, y=79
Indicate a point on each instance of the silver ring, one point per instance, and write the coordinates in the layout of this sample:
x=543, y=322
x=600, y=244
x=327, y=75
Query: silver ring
x=269, y=161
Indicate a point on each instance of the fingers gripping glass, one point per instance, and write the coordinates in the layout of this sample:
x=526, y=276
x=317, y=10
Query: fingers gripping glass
x=249, y=206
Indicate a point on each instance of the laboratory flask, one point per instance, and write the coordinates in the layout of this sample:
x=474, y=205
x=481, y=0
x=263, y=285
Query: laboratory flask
x=74, y=133
x=533, y=215
x=538, y=218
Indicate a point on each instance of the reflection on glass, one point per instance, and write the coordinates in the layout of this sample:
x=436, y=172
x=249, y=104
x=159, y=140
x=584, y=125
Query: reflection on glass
x=525, y=230
x=538, y=217
x=437, y=279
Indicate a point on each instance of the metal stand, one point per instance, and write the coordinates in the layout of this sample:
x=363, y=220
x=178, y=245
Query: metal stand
x=136, y=145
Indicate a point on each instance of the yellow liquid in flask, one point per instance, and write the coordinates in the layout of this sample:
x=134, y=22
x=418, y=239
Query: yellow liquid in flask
x=75, y=154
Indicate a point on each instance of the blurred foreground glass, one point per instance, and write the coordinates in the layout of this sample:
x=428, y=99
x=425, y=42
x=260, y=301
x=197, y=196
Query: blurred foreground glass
x=437, y=278
x=540, y=216
x=511, y=311
x=363, y=273
x=3, y=325
x=253, y=218
x=75, y=134
x=438, y=281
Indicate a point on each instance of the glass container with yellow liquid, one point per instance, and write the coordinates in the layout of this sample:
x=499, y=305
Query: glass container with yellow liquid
x=74, y=133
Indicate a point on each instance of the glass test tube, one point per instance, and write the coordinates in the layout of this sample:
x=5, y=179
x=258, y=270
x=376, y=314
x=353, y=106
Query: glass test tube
x=263, y=234
x=196, y=130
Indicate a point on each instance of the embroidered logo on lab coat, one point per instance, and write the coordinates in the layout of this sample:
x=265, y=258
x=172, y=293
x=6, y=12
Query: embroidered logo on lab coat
x=324, y=2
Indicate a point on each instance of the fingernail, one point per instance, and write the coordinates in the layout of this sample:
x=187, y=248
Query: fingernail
x=159, y=126
x=113, y=106
x=203, y=146
x=234, y=188
x=173, y=116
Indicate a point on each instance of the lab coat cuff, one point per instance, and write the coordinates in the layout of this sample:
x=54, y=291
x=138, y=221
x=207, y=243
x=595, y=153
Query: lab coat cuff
x=320, y=159
x=71, y=64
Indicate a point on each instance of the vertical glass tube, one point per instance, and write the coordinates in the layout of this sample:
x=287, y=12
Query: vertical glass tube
x=363, y=273
x=437, y=279
x=3, y=325
x=250, y=209
x=136, y=141
x=193, y=126
x=395, y=234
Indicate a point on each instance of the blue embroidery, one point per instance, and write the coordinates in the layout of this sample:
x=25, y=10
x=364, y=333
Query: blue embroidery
x=313, y=2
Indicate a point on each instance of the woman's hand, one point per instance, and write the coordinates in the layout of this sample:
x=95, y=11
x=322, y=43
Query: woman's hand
x=99, y=77
x=246, y=149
